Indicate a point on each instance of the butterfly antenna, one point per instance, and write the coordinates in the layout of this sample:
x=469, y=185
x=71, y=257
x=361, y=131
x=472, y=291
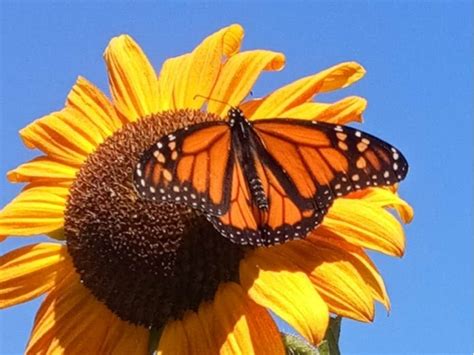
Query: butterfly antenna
x=211, y=99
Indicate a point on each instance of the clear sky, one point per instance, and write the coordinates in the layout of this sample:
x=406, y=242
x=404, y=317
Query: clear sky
x=419, y=84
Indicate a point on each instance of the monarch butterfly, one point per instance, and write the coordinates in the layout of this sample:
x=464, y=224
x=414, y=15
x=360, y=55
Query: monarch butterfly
x=267, y=181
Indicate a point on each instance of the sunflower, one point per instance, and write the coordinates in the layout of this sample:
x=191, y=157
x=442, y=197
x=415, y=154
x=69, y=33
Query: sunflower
x=119, y=268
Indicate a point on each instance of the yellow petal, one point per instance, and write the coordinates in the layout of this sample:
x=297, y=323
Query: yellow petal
x=385, y=197
x=344, y=111
x=124, y=338
x=230, y=324
x=70, y=135
x=249, y=107
x=173, y=340
x=334, y=276
x=359, y=259
x=248, y=326
x=30, y=271
x=70, y=320
x=64, y=136
x=41, y=169
x=167, y=81
x=36, y=210
x=363, y=224
x=132, y=79
x=91, y=103
x=303, y=90
x=238, y=76
x=279, y=285
x=184, y=77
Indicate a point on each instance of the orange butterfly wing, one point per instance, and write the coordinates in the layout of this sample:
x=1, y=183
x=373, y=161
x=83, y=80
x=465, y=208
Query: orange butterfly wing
x=323, y=159
x=191, y=165
x=246, y=224
x=301, y=167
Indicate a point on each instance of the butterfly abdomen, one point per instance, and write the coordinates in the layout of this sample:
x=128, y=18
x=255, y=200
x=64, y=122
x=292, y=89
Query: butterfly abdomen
x=258, y=193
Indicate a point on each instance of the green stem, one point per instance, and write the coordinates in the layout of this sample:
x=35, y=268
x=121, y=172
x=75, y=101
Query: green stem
x=153, y=340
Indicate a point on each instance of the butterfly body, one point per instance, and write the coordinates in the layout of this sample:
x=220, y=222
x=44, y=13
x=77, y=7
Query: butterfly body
x=244, y=142
x=267, y=181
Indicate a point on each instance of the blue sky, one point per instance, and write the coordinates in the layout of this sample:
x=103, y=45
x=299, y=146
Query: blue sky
x=418, y=56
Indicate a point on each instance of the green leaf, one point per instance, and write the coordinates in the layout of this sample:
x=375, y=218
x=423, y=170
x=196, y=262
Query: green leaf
x=296, y=345
x=323, y=348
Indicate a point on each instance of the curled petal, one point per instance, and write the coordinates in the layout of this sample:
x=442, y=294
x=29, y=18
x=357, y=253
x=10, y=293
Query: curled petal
x=30, y=271
x=238, y=76
x=344, y=111
x=363, y=224
x=276, y=283
x=132, y=79
x=184, y=77
x=303, y=90
x=36, y=210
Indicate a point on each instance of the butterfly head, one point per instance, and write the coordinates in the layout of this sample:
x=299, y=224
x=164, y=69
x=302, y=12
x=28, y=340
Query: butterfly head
x=235, y=115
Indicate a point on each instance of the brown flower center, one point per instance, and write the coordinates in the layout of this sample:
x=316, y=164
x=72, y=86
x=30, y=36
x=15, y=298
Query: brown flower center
x=148, y=262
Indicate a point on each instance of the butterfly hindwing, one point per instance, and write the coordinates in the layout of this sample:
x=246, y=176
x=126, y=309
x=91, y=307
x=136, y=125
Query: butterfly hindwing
x=284, y=220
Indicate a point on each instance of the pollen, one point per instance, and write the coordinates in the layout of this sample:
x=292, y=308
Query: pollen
x=147, y=261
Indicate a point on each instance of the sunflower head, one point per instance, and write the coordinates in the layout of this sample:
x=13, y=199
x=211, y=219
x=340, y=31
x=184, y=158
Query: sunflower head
x=129, y=264
x=122, y=245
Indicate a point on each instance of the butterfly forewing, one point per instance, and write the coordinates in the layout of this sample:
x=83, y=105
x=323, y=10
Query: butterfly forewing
x=325, y=161
x=189, y=166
